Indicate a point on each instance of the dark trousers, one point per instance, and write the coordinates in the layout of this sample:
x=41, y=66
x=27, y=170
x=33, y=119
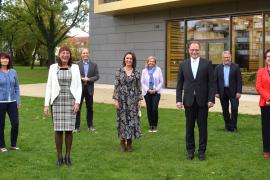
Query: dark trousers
x=12, y=110
x=193, y=113
x=89, y=108
x=152, y=101
x=265, y=115
x=230, y=120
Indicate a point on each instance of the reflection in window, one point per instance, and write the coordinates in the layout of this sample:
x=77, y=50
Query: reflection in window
x=267, y=31
x=247, y=45
x=208, y=29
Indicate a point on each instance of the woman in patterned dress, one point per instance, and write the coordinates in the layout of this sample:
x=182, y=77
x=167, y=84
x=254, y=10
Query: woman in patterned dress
x=127, y=96
x=63, y=92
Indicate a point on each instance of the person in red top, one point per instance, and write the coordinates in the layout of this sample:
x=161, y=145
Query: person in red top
x=263, y=88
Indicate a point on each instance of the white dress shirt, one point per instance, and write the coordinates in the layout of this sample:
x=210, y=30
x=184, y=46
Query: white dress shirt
x=194, y=66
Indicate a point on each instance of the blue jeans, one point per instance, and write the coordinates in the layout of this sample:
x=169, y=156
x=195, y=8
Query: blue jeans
x=12, y=110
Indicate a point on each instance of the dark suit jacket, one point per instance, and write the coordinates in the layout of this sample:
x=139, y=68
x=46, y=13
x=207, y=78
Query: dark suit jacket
x=203, y=85
x=235, y=80
x=92, y=74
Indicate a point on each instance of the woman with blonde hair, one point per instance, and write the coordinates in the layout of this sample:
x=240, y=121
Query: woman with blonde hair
x=152, y=82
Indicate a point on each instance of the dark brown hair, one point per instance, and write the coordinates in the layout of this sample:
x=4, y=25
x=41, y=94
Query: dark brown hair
x=64, y=48
x=193, y=42
x=265, y=54
x=133, y=58
x=5, y=55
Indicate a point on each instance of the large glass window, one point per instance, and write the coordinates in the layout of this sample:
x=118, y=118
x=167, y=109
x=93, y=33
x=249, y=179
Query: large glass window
x=213, y=35
x=175, y=50
x=247, y=46
x=267, y=31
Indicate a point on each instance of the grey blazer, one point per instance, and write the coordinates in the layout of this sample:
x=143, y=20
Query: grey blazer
x=92, y=74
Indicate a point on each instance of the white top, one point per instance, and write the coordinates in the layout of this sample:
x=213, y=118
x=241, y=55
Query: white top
x=158, y=80
x=194, y=66
x=53, y=87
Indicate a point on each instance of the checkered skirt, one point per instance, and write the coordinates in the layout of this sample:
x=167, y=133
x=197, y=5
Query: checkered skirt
x=63, y=117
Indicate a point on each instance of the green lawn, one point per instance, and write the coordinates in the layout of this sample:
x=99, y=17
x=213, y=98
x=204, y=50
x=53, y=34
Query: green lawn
x=31, y=76
x=156, y=156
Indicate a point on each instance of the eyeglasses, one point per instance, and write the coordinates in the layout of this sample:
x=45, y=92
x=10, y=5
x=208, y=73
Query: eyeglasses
x=267, y=56
x=196, y=50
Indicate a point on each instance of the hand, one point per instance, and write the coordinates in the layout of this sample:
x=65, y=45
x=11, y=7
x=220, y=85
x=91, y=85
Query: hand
x=18, y=106
x=116, y=104
x=238, y=95
x=76, y=107
x=267, y=102
x=217, y=96
x=179, y=105
x=140, y=104
x=210, y=104
x=46, y=110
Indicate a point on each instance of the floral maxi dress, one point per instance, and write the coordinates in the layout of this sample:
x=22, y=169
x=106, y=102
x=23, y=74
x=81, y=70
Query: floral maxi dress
x=128, y=92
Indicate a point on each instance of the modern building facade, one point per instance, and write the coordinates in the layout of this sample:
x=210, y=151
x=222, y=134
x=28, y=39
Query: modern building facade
x=163, y=28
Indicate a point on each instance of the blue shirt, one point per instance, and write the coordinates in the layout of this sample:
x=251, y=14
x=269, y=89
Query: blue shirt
x=85, y=67
x=226, y=71
x=9, y=87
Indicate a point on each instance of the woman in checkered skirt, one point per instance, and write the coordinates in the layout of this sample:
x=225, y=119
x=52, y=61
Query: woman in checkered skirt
x=63, y=92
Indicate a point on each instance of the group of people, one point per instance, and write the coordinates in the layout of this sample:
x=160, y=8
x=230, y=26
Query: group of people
x=198, y=84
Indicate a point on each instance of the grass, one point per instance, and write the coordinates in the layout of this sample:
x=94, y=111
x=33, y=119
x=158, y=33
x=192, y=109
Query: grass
x=32, y=76
x=155, y=156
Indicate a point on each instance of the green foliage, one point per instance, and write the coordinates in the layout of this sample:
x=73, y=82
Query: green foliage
x=156, y=155
x=49, y=21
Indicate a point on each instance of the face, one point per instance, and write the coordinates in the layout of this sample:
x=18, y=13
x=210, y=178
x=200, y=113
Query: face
x=85, y=54
x=128, y=60
x=226, y=58
x=4, y=61
x=151, y=63
x=267, y=59
x=194, y=50
x=64, y=56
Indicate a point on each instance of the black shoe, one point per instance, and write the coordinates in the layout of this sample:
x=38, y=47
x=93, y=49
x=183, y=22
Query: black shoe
x=59, y=162
x=68, y=161
x=190, y=156
x=202, y=156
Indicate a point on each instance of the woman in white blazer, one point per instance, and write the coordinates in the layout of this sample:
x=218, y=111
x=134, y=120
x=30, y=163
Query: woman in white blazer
x=63, y=93
x=152, y=82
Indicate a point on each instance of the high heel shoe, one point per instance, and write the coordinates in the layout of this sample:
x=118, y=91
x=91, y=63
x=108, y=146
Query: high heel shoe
x=59, y=162
x=68, y=161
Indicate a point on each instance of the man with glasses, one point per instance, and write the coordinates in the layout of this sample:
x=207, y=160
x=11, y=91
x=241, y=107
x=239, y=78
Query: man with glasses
x=228, y=82
x=196, y=79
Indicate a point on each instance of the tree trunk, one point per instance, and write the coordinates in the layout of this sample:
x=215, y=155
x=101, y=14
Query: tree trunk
x=34, y=55
x=51, y=54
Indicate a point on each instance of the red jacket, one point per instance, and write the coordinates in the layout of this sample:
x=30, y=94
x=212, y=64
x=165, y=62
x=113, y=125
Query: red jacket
x=263, y=85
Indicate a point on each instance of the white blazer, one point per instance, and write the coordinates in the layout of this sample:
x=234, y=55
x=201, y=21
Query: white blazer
x=158, y=80
x=53, y=87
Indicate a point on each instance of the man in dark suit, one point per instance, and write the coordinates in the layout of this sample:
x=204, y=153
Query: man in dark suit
x=196, y=78
x=228, y=89
x=89, y=74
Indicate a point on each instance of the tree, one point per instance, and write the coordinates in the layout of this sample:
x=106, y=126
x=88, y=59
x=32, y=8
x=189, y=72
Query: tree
x=49, y=20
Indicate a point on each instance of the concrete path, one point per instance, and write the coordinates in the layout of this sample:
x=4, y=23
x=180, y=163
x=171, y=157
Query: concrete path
x=103, y=94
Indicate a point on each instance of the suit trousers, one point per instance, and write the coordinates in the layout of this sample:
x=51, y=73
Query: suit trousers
x=11, y=109
x=230, y=120
x=89, y=108
x=265, y=115
x=152, y=101
x=193, y=113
